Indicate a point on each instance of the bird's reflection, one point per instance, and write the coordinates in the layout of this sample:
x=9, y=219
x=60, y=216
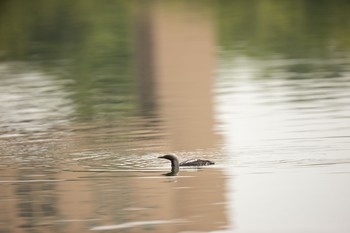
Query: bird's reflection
x=174, y=172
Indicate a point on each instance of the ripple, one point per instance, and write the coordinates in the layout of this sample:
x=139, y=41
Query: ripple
x=30, y=181
x=32, y=103
x=135, y=224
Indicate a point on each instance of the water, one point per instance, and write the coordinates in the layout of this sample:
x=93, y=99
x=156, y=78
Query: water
x=92, y=93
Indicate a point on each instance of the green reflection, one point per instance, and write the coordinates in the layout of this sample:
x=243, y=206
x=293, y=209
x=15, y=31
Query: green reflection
x=88, y=42
x=91, y=43
x=292, y=29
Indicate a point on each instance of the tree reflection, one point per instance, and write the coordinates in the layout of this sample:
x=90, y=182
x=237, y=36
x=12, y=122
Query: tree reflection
x=92, y=44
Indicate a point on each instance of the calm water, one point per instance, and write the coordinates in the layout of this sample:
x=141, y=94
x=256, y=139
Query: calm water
x=92, y=93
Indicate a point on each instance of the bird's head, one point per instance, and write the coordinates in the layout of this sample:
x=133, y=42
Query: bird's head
x=169, y=157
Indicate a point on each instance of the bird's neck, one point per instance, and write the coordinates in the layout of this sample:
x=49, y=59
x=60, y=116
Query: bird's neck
x=174, y=165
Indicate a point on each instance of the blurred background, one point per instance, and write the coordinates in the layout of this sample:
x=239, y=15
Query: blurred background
x=92, y=92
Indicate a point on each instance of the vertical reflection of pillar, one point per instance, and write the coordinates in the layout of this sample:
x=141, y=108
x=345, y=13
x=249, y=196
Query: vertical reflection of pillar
x=8, y=210
x=76, y=200
x=144, y=58
x=197, y=198
x=178, y=40
x=27, y=202
x=176, y=63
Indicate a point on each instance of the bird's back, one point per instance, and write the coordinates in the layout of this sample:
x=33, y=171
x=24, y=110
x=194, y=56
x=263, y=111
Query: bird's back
x=196, y=162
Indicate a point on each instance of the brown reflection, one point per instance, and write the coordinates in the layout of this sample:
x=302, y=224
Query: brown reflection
x=175, y=54
x=197, y=198
x=28, y=201
x=76, y=201
x=192, y=201
x=7, y=204
x=144, y=57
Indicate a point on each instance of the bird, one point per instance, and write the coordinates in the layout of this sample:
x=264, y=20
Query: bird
x=175, y=164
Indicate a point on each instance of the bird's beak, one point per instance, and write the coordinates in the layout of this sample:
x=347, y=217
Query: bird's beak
x=161, y=157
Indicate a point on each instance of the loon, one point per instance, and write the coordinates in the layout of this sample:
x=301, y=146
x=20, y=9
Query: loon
x=192, y=162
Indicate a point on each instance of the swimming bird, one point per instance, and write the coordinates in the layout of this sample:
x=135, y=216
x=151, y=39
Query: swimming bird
x=192, y=162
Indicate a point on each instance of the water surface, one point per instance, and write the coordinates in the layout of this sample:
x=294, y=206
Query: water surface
x=92, y=93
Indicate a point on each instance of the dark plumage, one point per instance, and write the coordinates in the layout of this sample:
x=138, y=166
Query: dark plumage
x=197, y=162
x=193, y=162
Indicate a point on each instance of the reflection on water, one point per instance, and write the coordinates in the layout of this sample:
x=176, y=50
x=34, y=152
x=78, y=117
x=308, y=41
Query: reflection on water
x=20, y=114
x=179, y=84
x=80, y=200
x=92, y=93
x=294, y=121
